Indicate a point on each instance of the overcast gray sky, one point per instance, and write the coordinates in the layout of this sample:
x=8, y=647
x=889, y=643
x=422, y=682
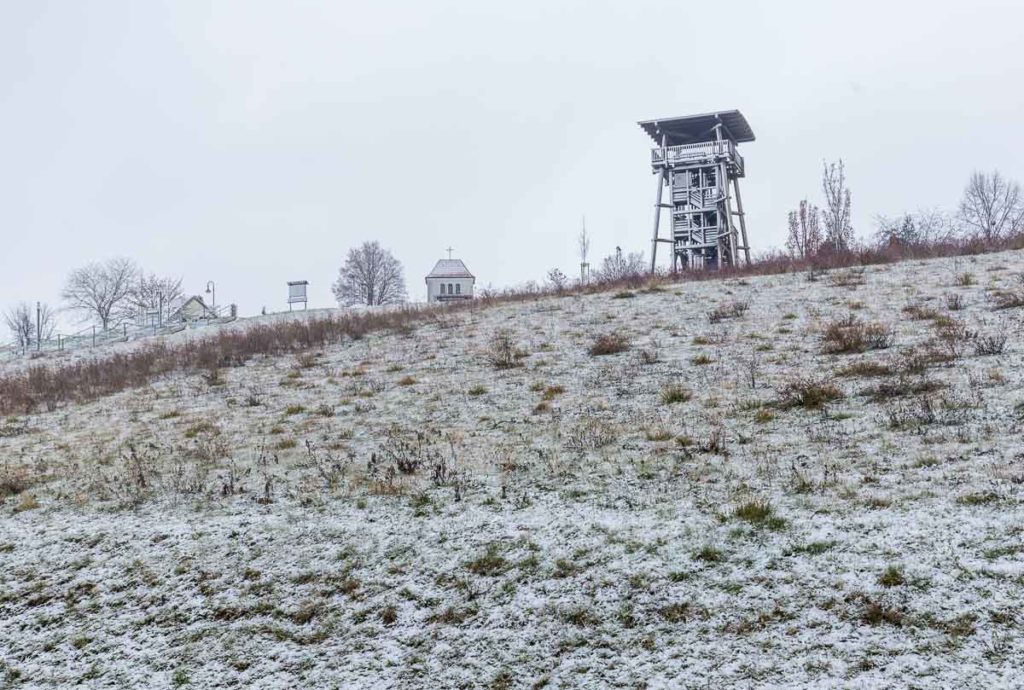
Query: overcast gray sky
x=254, y=142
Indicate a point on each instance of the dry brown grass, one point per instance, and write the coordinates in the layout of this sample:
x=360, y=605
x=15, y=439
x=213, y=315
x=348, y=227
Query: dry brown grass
x=609, y=344
x=849, y=335
x=808, y=393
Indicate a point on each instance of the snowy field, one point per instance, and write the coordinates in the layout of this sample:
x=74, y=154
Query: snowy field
x=483, y=503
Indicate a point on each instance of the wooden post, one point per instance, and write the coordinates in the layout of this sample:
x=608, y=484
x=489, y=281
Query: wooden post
x=728, y=214
x=657, y=203
x=743, y=218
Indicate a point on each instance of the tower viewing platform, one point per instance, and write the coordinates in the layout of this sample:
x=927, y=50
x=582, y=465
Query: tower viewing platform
x=696, y=157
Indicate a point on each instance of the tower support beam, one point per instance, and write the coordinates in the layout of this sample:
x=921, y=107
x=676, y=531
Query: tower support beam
x=661, y=174
x=743, y=219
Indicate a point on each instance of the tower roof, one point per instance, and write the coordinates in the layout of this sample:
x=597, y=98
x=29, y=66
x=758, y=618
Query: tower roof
x=691, y=129
x=450, y=268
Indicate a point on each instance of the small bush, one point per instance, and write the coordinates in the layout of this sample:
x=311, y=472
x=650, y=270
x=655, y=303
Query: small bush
x=701, y=360
x=715, y=442
x=978, y=499
x=920, y=312
x=650, y=354
x=675, y=613
x=13, y=481
x=954, y=302
x=892, y=577
x=552, y=392
x=502, y=352
x=624, y=294
x=952, y=336
x=490, y=564
x=1008, y=299
x=759, y=514
x=406, y=381
x=658, y=435
x=202, y=427
x=986, y=345
x=850, y=335
x=477, y=390
x=901, y=387
x=675, y=393
x=814, y=548
x=254, y=396
x=964, y=279
x=590, y=435
x=876, y=614
x=809, y=394
x=306, y=360
x=26, y=502
x=389, y=614
x=732, y=310
x=609, y=344
x=865, y=369
x=580, y=617
x=709, y=554
x=852, y=277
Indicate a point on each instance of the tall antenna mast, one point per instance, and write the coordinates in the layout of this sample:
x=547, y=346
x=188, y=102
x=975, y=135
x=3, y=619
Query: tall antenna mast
x=584, y=242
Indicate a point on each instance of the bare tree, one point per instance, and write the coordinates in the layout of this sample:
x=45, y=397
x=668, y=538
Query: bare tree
x=101, y=290
x=155, y=293
x=836, y=215
x=804, y=237
x=992, y=206
x=371, y=276
x=27, y=327
x=557, y=280
x=584, y=246
x=618, y=266
x=921, y=228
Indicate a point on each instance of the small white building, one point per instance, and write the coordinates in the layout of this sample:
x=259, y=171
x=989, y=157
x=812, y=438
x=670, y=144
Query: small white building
x=194, y=309
x=450, y=281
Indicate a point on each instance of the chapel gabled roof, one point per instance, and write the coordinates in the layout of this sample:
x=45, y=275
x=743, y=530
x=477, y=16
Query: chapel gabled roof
x=450, y=268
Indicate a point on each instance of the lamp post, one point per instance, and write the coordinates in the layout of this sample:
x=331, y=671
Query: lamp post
x=211, y=289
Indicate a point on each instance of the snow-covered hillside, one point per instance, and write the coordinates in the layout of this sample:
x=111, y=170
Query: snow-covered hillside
x=775, y=482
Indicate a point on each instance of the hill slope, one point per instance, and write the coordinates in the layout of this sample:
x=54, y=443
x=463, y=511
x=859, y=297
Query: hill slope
x=822, y=487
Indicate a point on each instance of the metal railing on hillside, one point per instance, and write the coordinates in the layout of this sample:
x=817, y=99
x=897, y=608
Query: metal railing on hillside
x=122, y=332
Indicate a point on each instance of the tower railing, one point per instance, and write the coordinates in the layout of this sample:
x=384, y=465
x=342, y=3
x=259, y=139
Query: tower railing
x=684, y=153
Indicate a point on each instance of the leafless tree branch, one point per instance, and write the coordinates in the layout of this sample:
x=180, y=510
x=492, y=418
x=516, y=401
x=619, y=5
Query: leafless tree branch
x=992, y=206
x=101, y=290
x=371, y=276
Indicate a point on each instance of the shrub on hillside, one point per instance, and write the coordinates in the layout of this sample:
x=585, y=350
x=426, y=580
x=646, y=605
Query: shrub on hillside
x=732, y=310
x=808, y=393
x=849, y=335
x=609, y=344
x=502, y=351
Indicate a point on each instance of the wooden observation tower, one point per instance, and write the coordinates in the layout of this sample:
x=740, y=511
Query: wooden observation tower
x=696, y=158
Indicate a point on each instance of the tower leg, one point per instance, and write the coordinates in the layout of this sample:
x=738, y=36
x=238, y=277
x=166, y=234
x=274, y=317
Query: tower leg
x=726, y=247
x=743, y=219
x=657, y=218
